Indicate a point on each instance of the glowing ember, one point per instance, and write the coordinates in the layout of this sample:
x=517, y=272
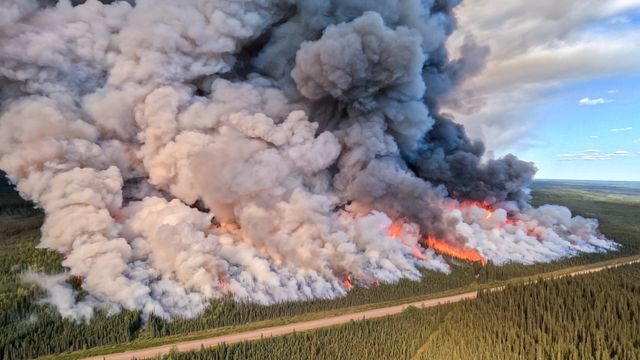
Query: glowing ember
x=463, y=253
x=489, y=215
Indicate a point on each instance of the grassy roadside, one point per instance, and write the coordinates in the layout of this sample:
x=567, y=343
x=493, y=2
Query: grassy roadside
x=146, y=343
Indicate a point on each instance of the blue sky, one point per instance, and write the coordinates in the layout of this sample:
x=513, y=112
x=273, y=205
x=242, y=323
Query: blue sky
x=561, y=86
x=601, y=141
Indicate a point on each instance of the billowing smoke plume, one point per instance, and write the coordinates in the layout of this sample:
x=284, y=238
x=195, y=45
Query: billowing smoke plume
x=266, y=150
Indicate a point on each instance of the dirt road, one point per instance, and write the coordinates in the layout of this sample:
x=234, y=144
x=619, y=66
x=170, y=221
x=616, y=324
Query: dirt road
x=308, y=325
x=282, y=330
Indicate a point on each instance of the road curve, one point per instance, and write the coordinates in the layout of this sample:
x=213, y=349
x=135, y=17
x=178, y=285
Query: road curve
x=308, y=325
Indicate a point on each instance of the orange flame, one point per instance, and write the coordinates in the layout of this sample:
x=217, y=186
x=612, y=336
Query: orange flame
x=463, y=253
x=394, y=230
x=347, y=282
x=482, y=205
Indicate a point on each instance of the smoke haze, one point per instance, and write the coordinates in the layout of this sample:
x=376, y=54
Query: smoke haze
x=265, y=150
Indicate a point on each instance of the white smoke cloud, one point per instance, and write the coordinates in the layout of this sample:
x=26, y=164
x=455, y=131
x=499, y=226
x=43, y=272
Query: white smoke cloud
x=536, y=235
x=14, y=10
x=183, y=152
x=61, y=296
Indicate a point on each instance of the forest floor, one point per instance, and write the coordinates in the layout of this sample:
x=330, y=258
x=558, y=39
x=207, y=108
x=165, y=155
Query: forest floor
x=337, y=320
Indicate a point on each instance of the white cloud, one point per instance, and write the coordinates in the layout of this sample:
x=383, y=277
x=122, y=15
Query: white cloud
x=589, y=101
x=594, y=136
x=594, y=154
x=621, y=153
x=536, y=48
x=616, y=130
x=613, y=91
x=636, y=141
x=620, y=20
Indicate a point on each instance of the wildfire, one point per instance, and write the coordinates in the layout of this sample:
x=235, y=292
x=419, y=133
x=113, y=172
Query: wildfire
x=394, y=230
x=482, y=205
x=534, y=233
x=508, y=222
x=224, y=286
x=117, y=216
x=347, y=282
x=417, y=253
x=463, y=253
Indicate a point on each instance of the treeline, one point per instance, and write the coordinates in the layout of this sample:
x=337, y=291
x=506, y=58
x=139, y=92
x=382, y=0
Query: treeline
x=595, y=316
x=397, y=337
x=29, y=329
x=16, y=215
x=45, y=332
x=224, y=313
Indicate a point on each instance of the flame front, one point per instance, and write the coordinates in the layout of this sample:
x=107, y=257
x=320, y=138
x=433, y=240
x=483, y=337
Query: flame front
x=463, y=253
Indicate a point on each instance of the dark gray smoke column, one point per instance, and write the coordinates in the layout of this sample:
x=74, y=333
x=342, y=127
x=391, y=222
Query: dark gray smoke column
x=451, y=159
x=268, y=149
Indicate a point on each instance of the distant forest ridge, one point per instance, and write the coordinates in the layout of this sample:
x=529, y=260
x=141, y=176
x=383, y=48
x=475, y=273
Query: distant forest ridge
x=587, y=182
x=619, y=188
